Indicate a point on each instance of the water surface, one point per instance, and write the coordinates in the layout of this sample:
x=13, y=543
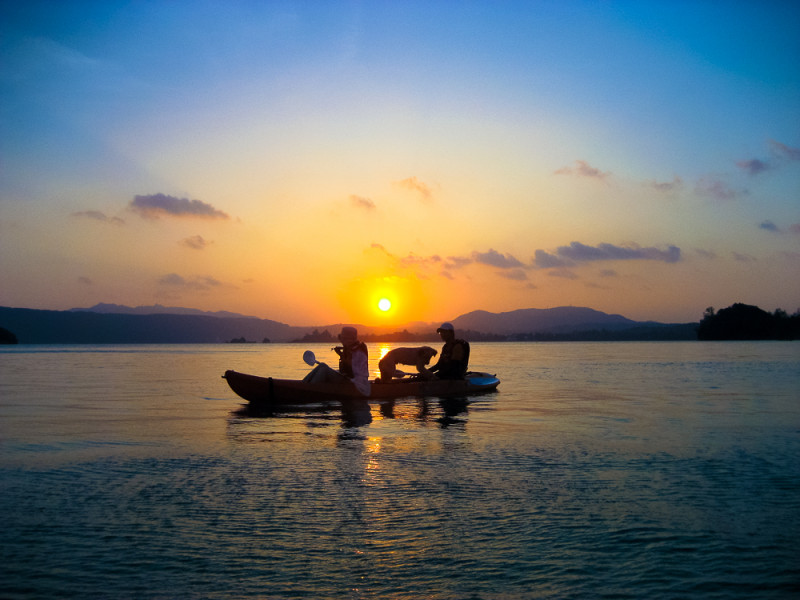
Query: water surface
x=621, y=470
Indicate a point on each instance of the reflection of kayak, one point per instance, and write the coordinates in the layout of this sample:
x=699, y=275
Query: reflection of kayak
x=266, y=390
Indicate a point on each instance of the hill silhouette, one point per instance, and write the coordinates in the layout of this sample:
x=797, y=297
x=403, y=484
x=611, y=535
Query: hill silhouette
x=99, y=325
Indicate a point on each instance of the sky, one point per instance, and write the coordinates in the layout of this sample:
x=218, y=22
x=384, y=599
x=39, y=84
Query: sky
x=300, y=161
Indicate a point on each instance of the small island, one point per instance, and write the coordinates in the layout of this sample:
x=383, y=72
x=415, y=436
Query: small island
x=746, y=322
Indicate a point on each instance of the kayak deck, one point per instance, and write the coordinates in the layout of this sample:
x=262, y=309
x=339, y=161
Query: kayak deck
x=268, y=390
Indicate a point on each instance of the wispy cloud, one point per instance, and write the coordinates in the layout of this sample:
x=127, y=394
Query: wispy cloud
x=195, y=242
x=494, y=258
x=746, y=258
x=362, y=203
x=716, y=189
x=666, y=186
x=576, y=252
x=784, y=151
x=175, y=281
x=754, y=166
x=583, y=169
x=770, y=226
x=85, y=281
x=98, y=216
x=415, y=185
x=157, y=205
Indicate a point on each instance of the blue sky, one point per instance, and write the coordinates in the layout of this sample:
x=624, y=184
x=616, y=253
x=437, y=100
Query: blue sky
x=300, y=159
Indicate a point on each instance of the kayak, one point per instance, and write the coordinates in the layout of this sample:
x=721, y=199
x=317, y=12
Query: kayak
x=268, y=390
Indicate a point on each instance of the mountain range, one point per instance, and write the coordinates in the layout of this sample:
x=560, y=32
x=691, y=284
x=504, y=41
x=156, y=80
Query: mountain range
x=112, y=323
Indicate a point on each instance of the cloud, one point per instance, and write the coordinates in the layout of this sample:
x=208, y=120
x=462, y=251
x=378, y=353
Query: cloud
x=175, y=281
x=743, y=257
x=769, y=226
x=784, y=151
x=494, y=258
x=414, y=185
x=563, y=273
x=195, y=242
x=719, y=190
x=458, y=262
x=707, y=254
x=667, y=186
x=85, y=281
x=576, y=252
x=753, y=166
x=360, y=202
x=156, y=205
x=514, y=274
x=98, y=216
x=583, y=169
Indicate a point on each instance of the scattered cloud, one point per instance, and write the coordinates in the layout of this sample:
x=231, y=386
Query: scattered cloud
x=743, y=257
x=361, y=202
x=583, y=169
x=157, y=205
x=784, y=151
x=85, y=281
x=494, y=258
x=415, y=185
x=576, y=252
x=667, y=186
x=608, y=273
x=753, y=166
x=98, y=216
x=457, y=262
x=175, y=281
x=514, y=274
x=195, y=242
x=563, y=273
x=707, y=254
x=769, y=226
x=716, y=189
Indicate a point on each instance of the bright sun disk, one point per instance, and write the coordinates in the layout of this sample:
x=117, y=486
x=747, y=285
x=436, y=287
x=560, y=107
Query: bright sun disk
x=384, y=304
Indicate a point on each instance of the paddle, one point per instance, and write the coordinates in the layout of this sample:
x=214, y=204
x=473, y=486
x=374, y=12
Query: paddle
x=310, y=359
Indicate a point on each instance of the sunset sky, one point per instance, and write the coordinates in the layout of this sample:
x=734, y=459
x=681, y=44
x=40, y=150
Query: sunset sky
x=299, y=161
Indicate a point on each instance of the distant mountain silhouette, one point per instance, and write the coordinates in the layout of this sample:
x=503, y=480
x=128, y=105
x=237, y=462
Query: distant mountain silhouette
x=157, y=309
x=115, y=324
x=542, y=320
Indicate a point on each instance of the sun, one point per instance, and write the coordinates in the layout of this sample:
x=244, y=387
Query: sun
x=384, y=304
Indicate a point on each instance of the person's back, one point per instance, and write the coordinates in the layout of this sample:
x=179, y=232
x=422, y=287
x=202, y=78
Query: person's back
x=454, y=359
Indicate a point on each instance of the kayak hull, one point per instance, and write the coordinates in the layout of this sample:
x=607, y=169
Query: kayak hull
x=268, y=390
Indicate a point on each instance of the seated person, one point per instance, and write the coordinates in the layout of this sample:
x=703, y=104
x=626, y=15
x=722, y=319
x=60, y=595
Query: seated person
x=418, y=357
x=353, y=363
x=454, y=358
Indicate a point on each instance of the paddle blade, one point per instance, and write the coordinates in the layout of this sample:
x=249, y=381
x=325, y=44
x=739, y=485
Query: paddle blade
x=309, y=358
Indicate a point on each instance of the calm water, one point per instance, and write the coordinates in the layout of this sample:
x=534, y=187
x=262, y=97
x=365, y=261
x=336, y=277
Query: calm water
x=618, y=470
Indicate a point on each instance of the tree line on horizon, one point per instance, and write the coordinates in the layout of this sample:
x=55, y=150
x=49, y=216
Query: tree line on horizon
x=745, y=322
x=737, y=322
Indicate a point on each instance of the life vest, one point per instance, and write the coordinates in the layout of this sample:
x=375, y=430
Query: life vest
x=446, y=367
x=346, y=358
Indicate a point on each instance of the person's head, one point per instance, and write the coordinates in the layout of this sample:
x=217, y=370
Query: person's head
x=447, y=331
x=348, y=335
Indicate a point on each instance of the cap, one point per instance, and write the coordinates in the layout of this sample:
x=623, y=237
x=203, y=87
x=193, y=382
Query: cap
x=349, y=332
x=446, y=327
